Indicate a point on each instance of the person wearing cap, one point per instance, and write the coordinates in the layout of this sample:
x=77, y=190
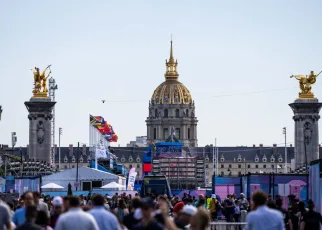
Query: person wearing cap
x=244, y=205
x=58, y=209
x=213, y=207
x=178, y=207
x=183, y=219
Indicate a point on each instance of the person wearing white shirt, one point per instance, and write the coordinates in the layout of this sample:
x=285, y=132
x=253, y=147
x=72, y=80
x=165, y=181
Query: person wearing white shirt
x=262, y=217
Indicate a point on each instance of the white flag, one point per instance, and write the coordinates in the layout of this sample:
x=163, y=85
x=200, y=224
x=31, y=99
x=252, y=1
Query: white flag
x=100, y=152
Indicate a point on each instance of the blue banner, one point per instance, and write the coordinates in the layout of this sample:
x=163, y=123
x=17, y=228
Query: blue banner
x=164, y=149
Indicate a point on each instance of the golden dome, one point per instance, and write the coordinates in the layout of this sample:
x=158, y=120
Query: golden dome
x=171, y=91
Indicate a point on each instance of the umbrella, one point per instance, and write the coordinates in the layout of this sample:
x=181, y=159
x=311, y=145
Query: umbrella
x=69, y=192
x=52, y=186
x=113, y=185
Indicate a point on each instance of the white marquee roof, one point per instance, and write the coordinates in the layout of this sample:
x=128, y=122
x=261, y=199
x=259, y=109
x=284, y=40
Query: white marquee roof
x=84, y=173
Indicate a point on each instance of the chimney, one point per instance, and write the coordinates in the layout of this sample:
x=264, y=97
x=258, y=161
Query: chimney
x=254, y=145
x=71, y=150
x=291, y=145
x=275, y=145
x=260, y=145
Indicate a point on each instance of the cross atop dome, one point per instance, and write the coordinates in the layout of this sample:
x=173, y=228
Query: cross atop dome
x=171, y=66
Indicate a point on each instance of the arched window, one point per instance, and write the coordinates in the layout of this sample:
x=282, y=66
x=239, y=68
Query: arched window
x=187, y=112
x=156, y=113
x=165, y=113
x=177, y=113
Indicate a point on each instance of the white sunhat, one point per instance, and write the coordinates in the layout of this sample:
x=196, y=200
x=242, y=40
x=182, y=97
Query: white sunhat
x=189, y=210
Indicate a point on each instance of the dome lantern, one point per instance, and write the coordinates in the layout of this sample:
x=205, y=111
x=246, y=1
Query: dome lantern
x=171, y=66
x=171, y=91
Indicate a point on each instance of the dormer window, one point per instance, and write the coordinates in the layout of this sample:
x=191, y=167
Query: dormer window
x=73, y=160
x=256, y=158
x=138, y=160
x=122, y=159
x=206, y=159
x=222, y=159
x=239, y=159
x=130, y=159
x=88, y=159
x=272, y=159
x=264, y=159
x=81, y=160
x=65, y=159
x=280, y=159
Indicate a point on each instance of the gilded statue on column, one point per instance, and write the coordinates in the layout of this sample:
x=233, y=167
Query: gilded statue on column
x=40, y=82
x=306, y=82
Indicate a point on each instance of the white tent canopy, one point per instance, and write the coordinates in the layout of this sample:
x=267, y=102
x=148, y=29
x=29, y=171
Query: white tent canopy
x=85, y=174
x=52, y=186
x=113, y=185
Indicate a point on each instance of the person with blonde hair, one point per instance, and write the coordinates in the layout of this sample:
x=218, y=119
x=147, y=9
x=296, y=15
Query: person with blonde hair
x=200, y=221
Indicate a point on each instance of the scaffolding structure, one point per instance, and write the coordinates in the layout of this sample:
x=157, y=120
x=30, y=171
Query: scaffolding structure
x=182, y=172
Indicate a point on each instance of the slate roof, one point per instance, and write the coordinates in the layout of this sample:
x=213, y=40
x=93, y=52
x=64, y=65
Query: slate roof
x=229, y=153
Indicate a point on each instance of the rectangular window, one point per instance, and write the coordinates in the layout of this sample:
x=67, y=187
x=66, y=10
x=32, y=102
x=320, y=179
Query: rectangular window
x=248, y=166
x=222, y=166
x=96, y=184
x=177, y=133
x=188, y=133
x=165, y=133
x=256, y=166
x=154, y=133
x=229, y=166
x=239, y=166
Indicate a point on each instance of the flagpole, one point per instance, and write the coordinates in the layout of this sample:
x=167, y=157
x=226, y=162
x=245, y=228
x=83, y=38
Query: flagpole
x=96, y=150
x=213, y=158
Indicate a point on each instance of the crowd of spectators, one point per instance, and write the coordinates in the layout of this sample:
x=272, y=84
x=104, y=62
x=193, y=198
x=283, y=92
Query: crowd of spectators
x=34, y=211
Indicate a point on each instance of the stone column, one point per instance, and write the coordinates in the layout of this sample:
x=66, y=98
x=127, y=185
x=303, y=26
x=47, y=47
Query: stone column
x=40, y=115
x=306, y=117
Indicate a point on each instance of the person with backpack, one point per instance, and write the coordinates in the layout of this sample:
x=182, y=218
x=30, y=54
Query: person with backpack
x=214, y=207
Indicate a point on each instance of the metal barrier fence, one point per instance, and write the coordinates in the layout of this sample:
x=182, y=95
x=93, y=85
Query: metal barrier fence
x=226, y=226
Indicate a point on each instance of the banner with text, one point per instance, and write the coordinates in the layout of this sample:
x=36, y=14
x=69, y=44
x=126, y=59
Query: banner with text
x=131, y=181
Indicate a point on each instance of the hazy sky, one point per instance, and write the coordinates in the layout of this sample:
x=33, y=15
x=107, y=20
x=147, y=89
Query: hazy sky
x=235, y=57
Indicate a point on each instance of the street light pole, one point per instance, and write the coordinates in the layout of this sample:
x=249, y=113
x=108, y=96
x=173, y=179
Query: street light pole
x=285, y=167
x=60, y=133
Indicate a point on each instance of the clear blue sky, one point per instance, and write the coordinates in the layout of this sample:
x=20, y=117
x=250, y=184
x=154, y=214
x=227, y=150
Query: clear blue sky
x=116, y=50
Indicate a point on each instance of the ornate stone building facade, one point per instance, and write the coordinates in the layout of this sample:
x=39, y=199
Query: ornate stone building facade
x=172, y=110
